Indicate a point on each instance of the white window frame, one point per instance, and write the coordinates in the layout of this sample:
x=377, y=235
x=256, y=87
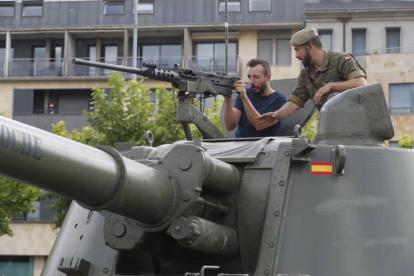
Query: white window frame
x=253, y=9
x=143, y=8
x=222, y=6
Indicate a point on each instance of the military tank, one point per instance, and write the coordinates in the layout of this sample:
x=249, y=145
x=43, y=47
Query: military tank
x=339, y=205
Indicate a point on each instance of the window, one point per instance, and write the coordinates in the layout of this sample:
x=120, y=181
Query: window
x=29, y=216
x=394, y=144
x=146, y=7
x=151, y=54
x=401, y=98
x=114, y=8
x=6, y=9
x=32, y=8
x=265, y=49
x=92, y=57
x=326, y=39
x=57, y=59
x=165, y=56
x=110, y=57
x=283, y=52
x=259, y=5
x=393, y=40
x=233, y=6
x=39, y=61
x=65, y=102
x=39, y=102
x=210, y=57
x=111, y=54
x=16, y=265
x=358, y=42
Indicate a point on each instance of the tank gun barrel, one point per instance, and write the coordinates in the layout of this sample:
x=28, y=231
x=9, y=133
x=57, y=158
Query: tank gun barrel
x=94, y=178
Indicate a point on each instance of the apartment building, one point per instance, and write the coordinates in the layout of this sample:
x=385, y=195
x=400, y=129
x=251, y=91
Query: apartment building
x=379, y=35
x=39, y=39
x=39, y=85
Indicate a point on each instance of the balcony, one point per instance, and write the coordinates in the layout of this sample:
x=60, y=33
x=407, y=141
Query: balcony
x=55, y=67
x=362, y=54
x=45, y=121
x=163, y=62
x=215, y=64
x=33, y=67
x=86, y=71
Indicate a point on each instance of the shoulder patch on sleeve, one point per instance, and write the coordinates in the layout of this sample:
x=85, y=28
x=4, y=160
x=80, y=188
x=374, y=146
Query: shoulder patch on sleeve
x=347, y=57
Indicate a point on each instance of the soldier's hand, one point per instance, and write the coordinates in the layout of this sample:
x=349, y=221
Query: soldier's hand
x=269, y=118
x=240, y=88
x=321, y=91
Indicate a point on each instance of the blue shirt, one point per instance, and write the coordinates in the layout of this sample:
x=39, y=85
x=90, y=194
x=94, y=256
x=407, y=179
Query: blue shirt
x=262, y=104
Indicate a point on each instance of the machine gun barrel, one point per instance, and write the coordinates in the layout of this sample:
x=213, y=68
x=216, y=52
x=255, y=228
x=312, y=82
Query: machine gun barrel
x=94, y=178
x=186, y=80
x=149, y=71
x=189, y=83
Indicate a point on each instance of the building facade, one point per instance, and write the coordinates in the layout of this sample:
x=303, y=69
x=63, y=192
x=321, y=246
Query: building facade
x=33, y=236
x=39, y=85
x=378, y=34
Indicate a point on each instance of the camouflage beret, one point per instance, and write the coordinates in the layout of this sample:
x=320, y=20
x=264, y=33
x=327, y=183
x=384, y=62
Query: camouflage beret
x=303, y=36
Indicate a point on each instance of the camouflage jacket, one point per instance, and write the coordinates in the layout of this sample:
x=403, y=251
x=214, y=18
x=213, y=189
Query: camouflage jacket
x=335, y=67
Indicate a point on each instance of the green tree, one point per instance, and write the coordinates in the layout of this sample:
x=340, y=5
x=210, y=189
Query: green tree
x=15, y=198
x=165, y=127
x=311, y=129
x=214, y=115
x=406, y=141
x=124, y=116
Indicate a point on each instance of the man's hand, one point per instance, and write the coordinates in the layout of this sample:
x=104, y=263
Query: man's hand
x=240, y=87
x=267, y=118
x=322, y=91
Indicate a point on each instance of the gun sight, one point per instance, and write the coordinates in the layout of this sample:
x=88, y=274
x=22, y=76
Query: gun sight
x=150, y=65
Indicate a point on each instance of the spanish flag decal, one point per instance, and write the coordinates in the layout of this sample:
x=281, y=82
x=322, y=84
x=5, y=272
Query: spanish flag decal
x=322, y=168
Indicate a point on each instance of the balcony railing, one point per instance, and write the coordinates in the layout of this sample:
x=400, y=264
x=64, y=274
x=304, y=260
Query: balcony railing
x=361, y=54
x=55, y=67
x=215, y=64
x=33, y=67
x=85, y=71
x=163, y=62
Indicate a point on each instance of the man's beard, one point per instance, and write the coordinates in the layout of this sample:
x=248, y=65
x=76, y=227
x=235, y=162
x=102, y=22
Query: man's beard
x=307, y=59
x=262, y=89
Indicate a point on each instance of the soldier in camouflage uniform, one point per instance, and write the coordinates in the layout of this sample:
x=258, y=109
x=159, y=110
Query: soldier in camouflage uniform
x=324, y=73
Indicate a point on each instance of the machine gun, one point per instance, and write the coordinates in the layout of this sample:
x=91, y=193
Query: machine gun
x=189, y=83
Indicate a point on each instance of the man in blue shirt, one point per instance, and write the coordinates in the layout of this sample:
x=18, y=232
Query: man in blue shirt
x=258, y=99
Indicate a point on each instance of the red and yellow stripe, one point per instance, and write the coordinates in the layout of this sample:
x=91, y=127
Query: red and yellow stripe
x=324, y=168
